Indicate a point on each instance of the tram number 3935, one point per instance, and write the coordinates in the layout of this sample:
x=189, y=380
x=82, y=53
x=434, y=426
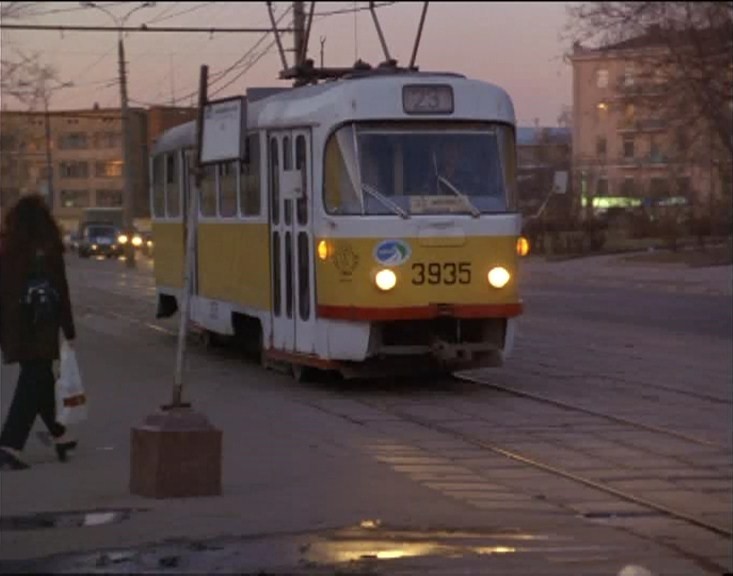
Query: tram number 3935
x=441, y=273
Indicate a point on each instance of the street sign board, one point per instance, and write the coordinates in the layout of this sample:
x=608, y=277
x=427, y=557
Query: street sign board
x=221, y=138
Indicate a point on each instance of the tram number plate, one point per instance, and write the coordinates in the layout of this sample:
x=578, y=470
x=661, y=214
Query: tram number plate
x=441, y=273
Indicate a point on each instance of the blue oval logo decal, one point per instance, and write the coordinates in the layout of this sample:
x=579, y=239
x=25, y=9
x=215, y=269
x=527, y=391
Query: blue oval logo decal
x=392, y=252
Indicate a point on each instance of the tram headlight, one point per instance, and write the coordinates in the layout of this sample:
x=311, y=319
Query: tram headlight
x=385, y=279
x=522, y=246
x=137, y=241
x=122, y=239
x=499, y=277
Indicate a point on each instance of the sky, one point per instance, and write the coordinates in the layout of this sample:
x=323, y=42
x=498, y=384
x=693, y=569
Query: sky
x=515, y=45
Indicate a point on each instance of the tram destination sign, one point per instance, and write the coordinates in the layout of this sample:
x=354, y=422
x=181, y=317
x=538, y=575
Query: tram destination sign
x=221, y=138
x=427, y=99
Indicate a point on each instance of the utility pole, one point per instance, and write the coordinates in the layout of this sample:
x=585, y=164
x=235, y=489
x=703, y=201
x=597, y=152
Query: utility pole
x=323, y=41
x=127, y=187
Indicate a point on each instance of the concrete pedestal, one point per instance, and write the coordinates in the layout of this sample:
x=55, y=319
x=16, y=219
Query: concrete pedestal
x=175, y=454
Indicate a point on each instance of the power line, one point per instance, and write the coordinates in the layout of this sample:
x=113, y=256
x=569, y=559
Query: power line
x=141, y=28
x=353, y=10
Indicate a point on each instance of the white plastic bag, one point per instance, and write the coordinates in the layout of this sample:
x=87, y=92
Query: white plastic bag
x=71, y=401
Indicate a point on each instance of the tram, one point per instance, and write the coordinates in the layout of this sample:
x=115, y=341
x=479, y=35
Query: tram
x=371, y=226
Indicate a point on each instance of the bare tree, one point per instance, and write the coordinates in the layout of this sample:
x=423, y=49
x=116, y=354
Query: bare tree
x=688, y=46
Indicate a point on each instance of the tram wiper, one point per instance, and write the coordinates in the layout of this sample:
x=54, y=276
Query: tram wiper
x=384, y=200
x=475, y=212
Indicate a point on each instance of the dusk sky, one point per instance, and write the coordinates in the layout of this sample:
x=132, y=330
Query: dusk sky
x=514, y=45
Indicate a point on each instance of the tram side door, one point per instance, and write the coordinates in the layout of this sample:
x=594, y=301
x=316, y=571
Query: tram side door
x=289, y=163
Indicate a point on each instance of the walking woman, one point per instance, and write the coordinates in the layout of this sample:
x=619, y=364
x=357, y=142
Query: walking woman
x=34, y=304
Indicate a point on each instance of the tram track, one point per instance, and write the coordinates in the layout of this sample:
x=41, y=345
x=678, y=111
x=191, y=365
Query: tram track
x=583, y=410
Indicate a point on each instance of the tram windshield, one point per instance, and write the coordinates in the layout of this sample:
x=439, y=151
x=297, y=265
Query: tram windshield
x=408, y=171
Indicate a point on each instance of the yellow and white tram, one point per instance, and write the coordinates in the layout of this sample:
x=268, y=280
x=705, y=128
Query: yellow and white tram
x=370, y=228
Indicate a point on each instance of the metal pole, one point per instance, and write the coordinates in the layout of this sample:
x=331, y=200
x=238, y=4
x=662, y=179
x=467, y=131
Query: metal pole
x=193, y=208
x=277, y=36
x=299, y=35
x=379, y=32
x=419, y=35
x=323, y=41
x=127, y=190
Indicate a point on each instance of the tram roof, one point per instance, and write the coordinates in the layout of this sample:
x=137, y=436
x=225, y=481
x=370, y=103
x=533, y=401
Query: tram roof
x=369, y=97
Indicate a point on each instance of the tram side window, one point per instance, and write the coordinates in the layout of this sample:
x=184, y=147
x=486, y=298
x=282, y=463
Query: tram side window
x=207, y=198
x=274, y=182
x=301, y=163
x=172, y=188
x=288, y=165
x=158, y=186
x=249, y=179
x=228, y=190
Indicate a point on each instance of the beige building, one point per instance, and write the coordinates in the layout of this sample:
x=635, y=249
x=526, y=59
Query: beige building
x=86, y=157
x=629, y=147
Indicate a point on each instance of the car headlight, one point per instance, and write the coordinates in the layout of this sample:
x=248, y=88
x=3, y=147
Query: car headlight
x=150, y=243
x=122, y=239
x=385, y=279
x=137, y=241
x=499, y=277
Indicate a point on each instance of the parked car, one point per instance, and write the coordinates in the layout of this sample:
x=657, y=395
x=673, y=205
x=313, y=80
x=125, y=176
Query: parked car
x=99, y=240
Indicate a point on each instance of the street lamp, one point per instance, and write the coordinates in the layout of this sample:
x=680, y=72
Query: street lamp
x=127, y=199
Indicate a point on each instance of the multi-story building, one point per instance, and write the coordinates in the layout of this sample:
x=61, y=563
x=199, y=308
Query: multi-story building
x=630, y=146
x=85, y=154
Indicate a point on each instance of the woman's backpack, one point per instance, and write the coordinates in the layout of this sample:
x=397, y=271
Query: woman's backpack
x=40, y=301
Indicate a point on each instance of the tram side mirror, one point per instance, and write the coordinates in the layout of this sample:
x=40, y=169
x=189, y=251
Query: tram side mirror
x=291, y=184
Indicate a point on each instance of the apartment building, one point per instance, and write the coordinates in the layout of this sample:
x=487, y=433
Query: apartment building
x=84, y=150
x=630, y=147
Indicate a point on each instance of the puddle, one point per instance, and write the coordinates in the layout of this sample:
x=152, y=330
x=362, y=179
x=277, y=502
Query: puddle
x=361, y=547
x=77, y=519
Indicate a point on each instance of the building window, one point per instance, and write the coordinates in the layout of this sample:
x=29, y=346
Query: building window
x=228, y=190
x=75, y=198
x=73, y=141
x=628, y=146
x=681, y=139
x=628, y=187
x=629, y=74
x=109, y=198
x=601, y=145
x=108, y=169
x=107, y=140
x=602, y=187
x=658, y=188
x=74, y=170
x=655, y=152
x=683, y=186
x=602, y=78
x=249, y=179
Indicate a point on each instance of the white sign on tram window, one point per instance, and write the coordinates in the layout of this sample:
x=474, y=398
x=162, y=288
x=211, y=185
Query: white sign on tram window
x=221, y=138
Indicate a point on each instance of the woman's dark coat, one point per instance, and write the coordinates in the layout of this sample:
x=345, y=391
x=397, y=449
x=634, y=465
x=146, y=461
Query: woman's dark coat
x=44, y=344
